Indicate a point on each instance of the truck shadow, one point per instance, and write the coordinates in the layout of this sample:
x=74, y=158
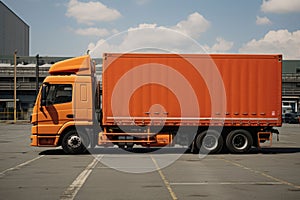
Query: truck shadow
x=275, y=150
x=179, y=150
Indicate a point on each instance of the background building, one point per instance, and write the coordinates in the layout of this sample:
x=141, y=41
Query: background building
x=27, y=86
x=14, y=33
x=291, y=86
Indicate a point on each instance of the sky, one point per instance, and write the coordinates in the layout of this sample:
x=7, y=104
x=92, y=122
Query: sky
x=71, y=27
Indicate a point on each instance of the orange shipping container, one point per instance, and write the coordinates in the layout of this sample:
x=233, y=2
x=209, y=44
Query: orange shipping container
x=191, y=90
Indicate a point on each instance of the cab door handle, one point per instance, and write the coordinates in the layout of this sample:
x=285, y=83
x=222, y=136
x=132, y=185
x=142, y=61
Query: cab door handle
x=70, y=116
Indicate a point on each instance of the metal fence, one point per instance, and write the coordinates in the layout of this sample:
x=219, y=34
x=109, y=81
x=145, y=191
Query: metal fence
x=10, y=116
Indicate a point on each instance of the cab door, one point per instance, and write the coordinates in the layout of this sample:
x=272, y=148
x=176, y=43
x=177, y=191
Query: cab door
x=56, y=108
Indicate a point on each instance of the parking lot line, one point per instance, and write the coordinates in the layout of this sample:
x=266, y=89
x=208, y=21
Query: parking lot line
x=284, y=182
x=20, y=165
x=228, y=183
x=166, y=182
x=72, y=190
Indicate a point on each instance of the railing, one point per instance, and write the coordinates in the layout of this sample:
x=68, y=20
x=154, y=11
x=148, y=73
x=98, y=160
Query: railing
x=290, y=92
x=20, y=86
x=10, y=116
x=291, y=78
x=23, y=72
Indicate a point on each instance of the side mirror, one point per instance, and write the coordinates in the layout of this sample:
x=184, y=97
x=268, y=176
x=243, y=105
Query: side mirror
x=43, y=95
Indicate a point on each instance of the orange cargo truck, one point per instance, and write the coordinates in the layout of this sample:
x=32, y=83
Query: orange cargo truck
x=208, y=103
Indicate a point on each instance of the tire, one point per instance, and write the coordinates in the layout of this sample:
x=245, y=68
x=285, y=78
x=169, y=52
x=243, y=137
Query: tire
x=208, y=142
x=72, y=143
x=239, y=141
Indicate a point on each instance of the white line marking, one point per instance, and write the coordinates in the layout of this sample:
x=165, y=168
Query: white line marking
x=229, y=183
x=19, y=166
x=284, y=182
x=72, y=190
x=166, y=182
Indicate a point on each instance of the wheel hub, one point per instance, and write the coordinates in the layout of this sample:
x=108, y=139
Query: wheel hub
x=74, y=141
x=210, y=142
x=239, y=141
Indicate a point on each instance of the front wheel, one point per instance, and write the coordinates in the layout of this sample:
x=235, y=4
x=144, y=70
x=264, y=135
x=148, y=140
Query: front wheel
x=72, y=143
x=239, y=141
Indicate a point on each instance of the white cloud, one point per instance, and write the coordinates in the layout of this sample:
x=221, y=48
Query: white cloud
x=280, y=6
x=193, y=26
x=220, y=47
x=145, y=37
x=281, y=41
x=263, y=21
x=151, y=37
x=90, y=12
x=114, y=31
x=100, y=32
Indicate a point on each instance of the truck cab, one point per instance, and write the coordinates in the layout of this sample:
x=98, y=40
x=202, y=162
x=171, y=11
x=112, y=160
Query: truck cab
x=64, y=103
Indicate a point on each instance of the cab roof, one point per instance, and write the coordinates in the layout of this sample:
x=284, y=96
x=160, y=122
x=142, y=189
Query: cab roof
x=79, y=65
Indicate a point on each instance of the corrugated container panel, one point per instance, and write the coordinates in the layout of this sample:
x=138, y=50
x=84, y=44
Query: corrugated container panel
x=191, y=89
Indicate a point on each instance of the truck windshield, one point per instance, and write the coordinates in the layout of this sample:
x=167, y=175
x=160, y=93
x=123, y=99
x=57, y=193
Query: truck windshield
x=57, y=94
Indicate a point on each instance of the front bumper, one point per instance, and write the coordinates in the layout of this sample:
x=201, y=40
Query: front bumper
x=44, y=140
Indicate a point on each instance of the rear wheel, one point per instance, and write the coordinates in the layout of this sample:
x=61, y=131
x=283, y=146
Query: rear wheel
x=73, y=143
x=239, y=141
x=209, y=141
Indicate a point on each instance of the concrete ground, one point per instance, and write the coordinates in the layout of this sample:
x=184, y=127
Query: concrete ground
x=47, y=173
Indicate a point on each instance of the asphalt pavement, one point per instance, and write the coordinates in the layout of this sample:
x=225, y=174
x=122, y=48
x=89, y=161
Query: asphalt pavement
x=47, y=173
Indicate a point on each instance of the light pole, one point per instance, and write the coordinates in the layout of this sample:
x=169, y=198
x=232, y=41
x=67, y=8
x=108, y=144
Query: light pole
x=37, y=73
x=15, y=86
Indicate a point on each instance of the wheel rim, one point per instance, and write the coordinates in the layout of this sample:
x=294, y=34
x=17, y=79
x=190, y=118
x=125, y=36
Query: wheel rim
x=239, y=141
x=210, y=142
x=74, y=141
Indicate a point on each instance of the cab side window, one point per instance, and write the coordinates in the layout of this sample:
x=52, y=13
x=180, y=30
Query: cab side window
x=58, y=94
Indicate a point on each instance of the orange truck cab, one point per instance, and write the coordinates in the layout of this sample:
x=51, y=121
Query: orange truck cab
x=65, y=95
x=144, y=101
